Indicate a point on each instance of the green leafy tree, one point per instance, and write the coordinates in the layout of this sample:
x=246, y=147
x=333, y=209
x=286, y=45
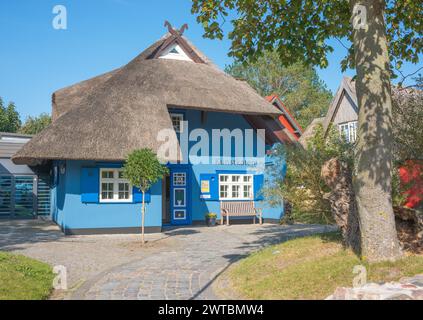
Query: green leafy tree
x=34, y=125
x=9, y=117
x=380, y=34
x=302, y=185
x=298, y=85
x=3, y=118
x=143, y=169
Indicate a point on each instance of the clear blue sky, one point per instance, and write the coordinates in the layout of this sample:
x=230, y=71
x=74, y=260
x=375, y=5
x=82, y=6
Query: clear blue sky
x=36, y=60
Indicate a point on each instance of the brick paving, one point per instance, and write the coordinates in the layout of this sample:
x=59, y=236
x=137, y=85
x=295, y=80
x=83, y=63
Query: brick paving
x=180, y=263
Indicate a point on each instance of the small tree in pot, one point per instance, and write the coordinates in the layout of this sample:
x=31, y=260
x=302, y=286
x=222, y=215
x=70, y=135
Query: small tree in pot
x=143, y=169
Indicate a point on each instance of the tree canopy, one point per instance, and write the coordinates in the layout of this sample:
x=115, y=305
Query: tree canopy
x=299, y=29
x=10, y=120
x=143, y=169
x=34, y=125
x=298, y=85
x=9, y=117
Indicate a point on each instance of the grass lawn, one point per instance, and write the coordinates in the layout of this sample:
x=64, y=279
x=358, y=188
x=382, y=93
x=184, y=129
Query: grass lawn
x=22, y=278
x=309, y=268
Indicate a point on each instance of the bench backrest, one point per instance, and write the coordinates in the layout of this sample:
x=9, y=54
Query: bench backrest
x=238, y=207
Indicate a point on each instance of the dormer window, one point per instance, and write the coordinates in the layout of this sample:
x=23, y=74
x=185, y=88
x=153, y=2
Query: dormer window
x=175, y=52
x=177, y=122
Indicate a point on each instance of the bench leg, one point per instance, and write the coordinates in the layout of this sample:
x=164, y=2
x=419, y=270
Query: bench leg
x=254, y=219
x=227, y=219
x=261, y=218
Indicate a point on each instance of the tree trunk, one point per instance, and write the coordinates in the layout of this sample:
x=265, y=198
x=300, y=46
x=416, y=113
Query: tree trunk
x=337, y=176
x=373, y=153
x=142, y=217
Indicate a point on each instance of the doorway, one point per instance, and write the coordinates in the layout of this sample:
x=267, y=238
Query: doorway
x=166, y=200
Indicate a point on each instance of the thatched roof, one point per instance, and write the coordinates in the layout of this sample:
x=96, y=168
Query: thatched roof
x=309, y=131
x=107, y=117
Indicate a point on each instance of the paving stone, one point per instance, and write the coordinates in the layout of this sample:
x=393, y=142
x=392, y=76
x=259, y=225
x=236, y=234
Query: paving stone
x=177, y=264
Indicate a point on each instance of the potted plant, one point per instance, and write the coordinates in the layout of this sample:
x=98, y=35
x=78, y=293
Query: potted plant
x=211, y=219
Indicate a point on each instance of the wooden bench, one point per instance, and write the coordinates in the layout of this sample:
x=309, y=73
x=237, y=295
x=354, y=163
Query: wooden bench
x=239, y=209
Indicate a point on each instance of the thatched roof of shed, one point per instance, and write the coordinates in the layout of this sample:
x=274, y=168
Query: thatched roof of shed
x=107, y=117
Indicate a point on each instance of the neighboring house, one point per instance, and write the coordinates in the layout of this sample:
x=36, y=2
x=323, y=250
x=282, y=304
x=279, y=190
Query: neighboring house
x=342, y=113
x=286, y=119
x=23, y=193
x=98, y=122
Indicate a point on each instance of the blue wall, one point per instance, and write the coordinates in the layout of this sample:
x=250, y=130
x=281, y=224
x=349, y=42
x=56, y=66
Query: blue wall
x=70, y=213
x=215, y=120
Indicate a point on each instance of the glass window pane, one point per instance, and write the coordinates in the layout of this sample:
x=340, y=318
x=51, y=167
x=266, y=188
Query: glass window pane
x=179, y=179
x=177, y=122
x=107, y=174
x=235, y=191
x=235, y=178
x=123, y=192
x=247, y=191
x=247, y=178
x=223, y=191
x=179, y=195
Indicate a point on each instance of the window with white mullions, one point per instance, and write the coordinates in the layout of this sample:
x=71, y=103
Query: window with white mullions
x=177, y=122
x=179, y=179
x=236, y=187
x=348, y=131
x=114, y=187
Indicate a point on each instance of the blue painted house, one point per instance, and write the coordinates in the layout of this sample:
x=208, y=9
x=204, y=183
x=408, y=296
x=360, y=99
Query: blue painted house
x=214, y=133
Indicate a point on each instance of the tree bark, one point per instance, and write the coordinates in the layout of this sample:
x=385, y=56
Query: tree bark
x=143, y=217
x=337, y=176
x=373, y=152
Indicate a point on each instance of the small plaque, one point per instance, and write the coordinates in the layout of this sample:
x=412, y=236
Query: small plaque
x=205, y=186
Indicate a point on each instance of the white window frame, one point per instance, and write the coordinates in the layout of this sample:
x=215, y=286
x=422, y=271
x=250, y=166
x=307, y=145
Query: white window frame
x=348, y=130
x=241, y=183
x=180, y=116
x=178, y=55
x=176, y=205
x=115, y=180
x=181, y=210
x=180, y=175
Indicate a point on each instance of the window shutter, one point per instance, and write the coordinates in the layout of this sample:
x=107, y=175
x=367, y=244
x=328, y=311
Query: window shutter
x=137, y=195
x=258, y=185
x=213, y=181
x=90, y=181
